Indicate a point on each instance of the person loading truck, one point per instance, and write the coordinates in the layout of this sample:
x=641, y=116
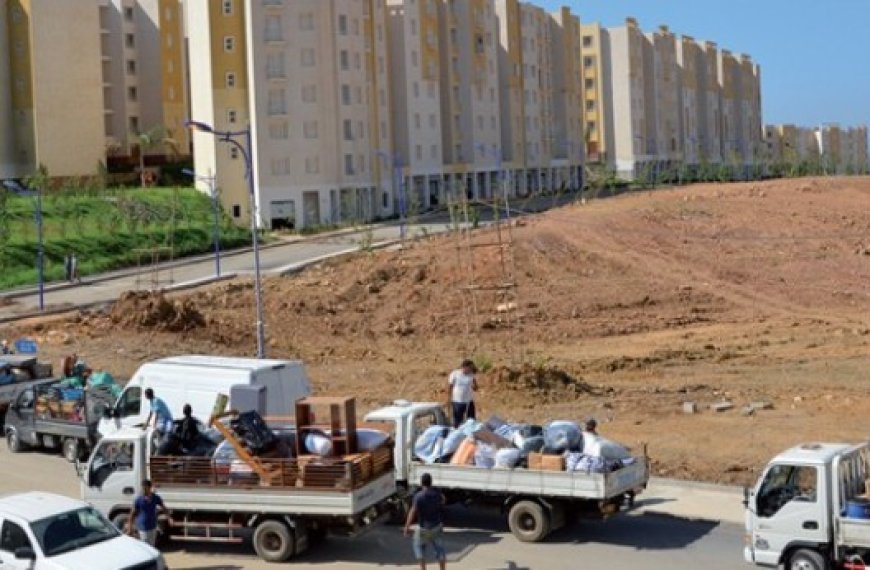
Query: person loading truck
x=461, y=386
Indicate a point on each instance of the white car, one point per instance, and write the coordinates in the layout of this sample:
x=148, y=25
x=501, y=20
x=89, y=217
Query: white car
x=42, y=531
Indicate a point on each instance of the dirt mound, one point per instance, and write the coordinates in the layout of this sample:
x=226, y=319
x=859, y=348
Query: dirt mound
x=146, y=310
x=537, y=379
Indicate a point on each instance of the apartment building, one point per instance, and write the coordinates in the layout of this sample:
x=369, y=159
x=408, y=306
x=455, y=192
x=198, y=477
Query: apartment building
x=750, y=112
x=51, y=69
x=310, y=79
x=632, y=145
x=829, y=139
x=596, y=92
x=473, y=157
x=834, y=149
x=807, y=145
x=143, y=70
x=700, y=98
x=667, y=131
x=569, y=149
x=855, y=159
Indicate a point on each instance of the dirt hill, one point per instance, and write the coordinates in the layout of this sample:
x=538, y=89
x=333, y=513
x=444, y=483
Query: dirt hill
x=623, y=309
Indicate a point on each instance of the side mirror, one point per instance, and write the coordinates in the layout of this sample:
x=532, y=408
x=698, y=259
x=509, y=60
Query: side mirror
x=25, y=553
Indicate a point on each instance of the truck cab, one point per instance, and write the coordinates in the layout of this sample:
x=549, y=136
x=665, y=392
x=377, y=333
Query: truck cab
x=796, y=514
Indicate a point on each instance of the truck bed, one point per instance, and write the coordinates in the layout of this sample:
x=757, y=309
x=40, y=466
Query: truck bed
x=536, y=482
x=280, y=500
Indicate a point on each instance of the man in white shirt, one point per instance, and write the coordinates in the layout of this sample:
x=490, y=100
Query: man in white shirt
x=460, y=392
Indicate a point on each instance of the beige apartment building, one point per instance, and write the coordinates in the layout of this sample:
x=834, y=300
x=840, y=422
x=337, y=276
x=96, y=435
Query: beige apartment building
x=836, y=150
x=700, y=100
x=855, y=159
x=829, y=138
x=53, y=114
x=667, y=93
x=310, y=78
x=569, y=148
x=596, y=92
x=74, y=96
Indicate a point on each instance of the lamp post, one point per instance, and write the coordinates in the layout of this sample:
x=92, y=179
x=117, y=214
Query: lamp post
x=398, y=186
x=246, y=150
x=211, y=181
x=36, y=194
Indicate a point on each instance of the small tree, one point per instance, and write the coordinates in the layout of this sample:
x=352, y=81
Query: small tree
x=153, y=138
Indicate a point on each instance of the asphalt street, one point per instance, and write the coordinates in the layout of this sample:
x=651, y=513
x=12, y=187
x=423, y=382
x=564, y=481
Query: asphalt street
x=651, y=539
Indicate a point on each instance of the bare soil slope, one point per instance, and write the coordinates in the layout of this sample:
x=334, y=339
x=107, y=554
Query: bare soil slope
x=625, y=308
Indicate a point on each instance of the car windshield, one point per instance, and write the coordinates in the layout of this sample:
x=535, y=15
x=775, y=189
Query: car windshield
x=72, y=530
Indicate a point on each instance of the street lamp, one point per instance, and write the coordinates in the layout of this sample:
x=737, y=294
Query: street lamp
x=211, y=180
x=36, y=194
x=246, y=151
x=399, y=186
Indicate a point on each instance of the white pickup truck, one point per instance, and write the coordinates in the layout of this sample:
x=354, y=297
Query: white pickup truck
x=536, y=502
x=41, y=531
x=800, y=512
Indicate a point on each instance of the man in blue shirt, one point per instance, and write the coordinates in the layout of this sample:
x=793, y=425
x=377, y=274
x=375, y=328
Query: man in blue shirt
x=144, y=514
x=426, y=510
x=159, y=413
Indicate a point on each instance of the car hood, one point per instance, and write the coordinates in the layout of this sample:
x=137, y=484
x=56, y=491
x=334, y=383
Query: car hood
x=120, y=552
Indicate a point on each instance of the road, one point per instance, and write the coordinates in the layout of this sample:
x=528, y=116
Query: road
x=277, y=257
x=477, y=540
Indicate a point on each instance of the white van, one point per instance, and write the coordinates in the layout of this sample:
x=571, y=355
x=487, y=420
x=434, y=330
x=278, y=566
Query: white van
x=198, y=379
x=42, y=531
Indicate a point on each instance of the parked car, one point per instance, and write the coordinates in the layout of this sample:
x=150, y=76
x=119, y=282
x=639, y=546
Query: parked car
x=43, y=531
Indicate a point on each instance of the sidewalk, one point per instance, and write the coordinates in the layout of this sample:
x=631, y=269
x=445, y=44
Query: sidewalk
x=691, y=500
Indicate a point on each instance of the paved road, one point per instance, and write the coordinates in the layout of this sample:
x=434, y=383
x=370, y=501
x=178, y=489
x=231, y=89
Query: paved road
x=477, y=540
x=106, y=288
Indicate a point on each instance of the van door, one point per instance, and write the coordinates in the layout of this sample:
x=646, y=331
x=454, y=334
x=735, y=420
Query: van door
x=113, y=474
x=789, y=507
x=22, y=417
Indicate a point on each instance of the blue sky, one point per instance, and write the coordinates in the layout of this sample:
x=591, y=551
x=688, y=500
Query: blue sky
x=814, y=54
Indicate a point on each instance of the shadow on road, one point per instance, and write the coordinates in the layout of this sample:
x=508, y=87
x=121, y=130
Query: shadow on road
x=642, y=532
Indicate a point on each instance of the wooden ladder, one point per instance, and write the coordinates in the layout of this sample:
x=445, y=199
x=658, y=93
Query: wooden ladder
x=266, y=475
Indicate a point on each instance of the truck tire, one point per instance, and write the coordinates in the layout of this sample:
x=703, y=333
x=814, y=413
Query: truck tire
x=805, y=559
x=120, y=520
x=13, y=442
x=529, y=521
x=273, y=541
x=71, y=449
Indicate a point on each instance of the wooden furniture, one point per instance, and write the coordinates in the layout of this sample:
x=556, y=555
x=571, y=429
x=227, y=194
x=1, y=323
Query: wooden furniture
x=339, y=426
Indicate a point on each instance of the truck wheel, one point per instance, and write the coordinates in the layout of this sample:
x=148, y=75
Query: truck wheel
x=804, y=559
x=273, y=541
x=529, y=521
x=13, y=442
x=71, y=449
x=120, y=521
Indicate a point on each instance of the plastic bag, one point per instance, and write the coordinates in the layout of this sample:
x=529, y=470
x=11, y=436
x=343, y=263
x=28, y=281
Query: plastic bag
x=452, y=442
x=562, y=436
x=429, y=447
x=318, y=444
x=485, y=456
x=532, y=445
x=507, y=458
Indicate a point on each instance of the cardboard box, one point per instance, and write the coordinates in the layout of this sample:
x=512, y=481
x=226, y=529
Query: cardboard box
x=546, y=462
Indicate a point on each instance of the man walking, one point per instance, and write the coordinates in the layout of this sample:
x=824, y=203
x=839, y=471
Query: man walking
x=144, y=514
x=460, y=392
x=426, y=511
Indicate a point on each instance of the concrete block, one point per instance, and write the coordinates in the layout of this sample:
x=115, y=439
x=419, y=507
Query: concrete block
x=761, y=405
x=722, y=406
x=689, y=408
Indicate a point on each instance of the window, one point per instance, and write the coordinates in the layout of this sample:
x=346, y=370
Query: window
x=110, y=457
x=312, y=165
x=361, y=163
x=348, y=130
x=344, y=60
x=417, y=120
x=13, y=537
x=413, y=27
x=589, y=83
x=345, y=95
x=228, y=7
x=342, y=24
x=309, y=129
x=308, y=58
x=588, y=62
x=169, y=40
x=234, y=153
x=229, y=44
x=348, y=164
x=274, y=28
x=414, y=61
x=416, y=89
x=130, y=40
x=132, y=93
x=230, y=80
x=237, y=211
x=130, y=403
x=306, y=21
x=131, y=67
x=418, y=152
x=134, y=124
x=279, y=130
x=309, y=93
x=275, y=65
x=355, y=26
x=356, y=61
x=433, y=152
x=231, y=116
x=128, y=13
x=784, y=484
x=277, y=102
x=433, y=121
x=358, y=95
x=590, y=105
x=590, y=127
x=587, y=41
